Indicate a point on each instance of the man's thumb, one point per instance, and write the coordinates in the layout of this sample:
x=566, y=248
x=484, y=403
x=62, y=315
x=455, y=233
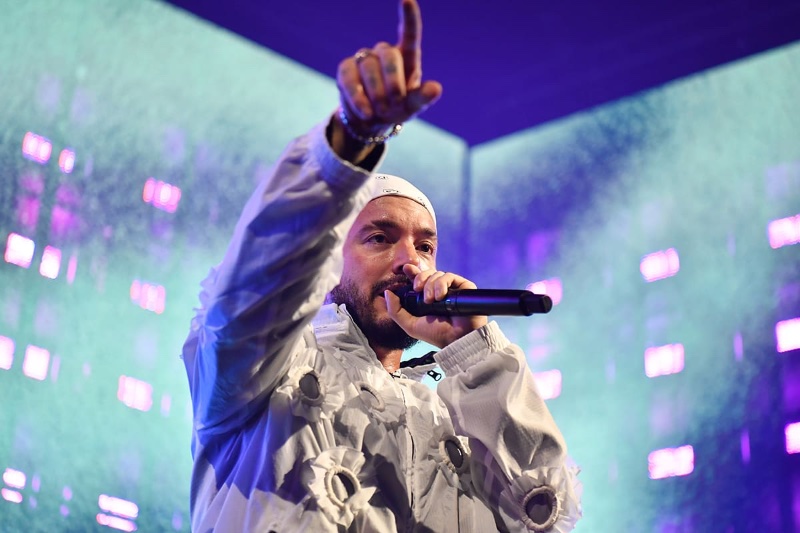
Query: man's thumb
x=424, y=97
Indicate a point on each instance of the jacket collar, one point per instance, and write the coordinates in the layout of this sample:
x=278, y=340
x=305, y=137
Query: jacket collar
x=337, y=333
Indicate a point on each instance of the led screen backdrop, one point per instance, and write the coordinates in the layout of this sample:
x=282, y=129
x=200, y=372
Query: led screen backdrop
x=666, y=226
x=132, y=134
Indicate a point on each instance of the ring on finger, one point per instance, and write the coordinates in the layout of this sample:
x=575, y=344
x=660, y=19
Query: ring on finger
x=362, y=54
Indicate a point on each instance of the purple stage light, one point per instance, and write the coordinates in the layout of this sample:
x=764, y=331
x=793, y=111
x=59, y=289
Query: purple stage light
x=792, y=432
x=738, y=346
x=744, y=442
x=72, y=268
x=660, y=265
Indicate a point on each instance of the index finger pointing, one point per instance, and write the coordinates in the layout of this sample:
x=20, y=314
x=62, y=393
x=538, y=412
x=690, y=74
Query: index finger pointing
x=410, y=40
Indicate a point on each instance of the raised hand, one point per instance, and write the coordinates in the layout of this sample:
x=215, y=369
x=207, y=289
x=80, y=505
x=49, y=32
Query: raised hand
x=382, y=86
x=437, y=330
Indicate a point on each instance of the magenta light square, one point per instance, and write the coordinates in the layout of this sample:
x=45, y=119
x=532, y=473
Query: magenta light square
x=118, y=506
x=792, y=432
x=149, y=190
x=551, y=287
x=11, y=495
x=19, y=250
x=14, y=478
x=66, y=161
x=36, y=148
x=135, y=393
x=663, y=360
x=784, y=231
x=35, y=363
x=548, y=383
x=6, y=352
x=660, y=265
x=671, y=462
x=51, y=262
x=787, y=335
x=72, y=268
x=115, y=522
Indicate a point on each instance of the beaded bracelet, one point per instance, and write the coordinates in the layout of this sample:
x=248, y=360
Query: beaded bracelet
x=378, y=139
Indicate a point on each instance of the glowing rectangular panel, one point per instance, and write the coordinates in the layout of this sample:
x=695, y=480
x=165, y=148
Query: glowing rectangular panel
x=784, y=231
x=660, y=265
x=548, y=383
x=11, y=495
x=787, y=335
x=51, y=262
x=35, y=363
x=36, y=148
x=148, y=296
x=792, y=432
x=663, y=360
x=19, y=250
x=744, y=444
x=115, y=522
x=14, y=478
x=551, y=287
x=66, y=161
x=671, y=462
x=161, y=195
x=135, y=393
x=118, y=506
x=72, y=268
x=6, y=352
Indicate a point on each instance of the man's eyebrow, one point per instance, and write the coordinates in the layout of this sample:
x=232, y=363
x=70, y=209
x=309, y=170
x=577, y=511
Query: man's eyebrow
x=388, y=225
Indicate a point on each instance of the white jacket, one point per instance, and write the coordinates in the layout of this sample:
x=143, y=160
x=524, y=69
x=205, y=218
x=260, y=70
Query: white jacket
x=297, y=425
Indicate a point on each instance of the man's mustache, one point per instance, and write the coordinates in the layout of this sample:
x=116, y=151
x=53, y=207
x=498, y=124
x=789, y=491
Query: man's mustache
x=392, y=284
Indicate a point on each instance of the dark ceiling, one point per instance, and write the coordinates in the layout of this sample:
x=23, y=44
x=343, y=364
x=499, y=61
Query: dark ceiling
x=507, y=65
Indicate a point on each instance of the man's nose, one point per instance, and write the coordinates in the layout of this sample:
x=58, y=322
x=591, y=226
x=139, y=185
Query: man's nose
x=405, y=253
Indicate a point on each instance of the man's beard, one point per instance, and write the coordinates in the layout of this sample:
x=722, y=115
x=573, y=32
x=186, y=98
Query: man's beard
x=384, y=333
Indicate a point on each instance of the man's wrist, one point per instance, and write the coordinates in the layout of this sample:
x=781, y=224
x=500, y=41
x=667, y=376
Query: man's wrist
x=350, y=149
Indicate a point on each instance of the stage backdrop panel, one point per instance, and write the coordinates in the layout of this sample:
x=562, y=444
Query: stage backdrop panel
x=132, y=134
x=664, y=227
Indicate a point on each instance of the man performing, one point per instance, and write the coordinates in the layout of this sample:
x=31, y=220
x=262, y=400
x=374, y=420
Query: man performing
x=305, y=419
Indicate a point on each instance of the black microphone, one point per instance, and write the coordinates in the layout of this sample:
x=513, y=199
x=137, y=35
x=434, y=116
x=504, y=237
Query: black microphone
x=471, y=302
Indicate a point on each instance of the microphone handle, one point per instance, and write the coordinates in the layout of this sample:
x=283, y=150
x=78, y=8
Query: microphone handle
x=472, y=302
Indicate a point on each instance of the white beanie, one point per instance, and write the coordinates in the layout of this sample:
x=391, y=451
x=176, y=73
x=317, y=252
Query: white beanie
x=388, y=185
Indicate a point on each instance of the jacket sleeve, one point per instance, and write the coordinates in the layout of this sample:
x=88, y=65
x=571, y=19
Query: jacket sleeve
x=283, y=258
x=519, y=462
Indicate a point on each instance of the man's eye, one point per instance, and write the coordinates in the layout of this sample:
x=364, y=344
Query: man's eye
x=425, y=248
x=377, y=238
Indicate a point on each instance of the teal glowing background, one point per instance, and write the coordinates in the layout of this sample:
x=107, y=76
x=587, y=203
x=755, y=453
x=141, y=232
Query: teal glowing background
x=140, y=90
